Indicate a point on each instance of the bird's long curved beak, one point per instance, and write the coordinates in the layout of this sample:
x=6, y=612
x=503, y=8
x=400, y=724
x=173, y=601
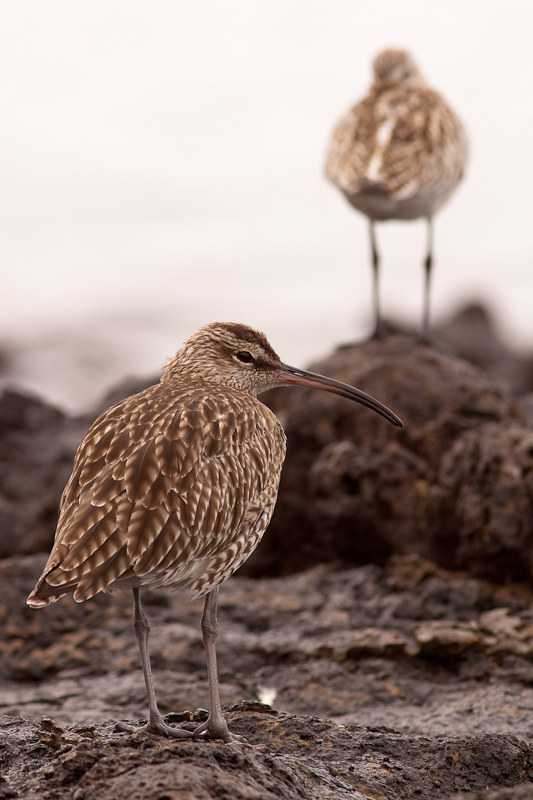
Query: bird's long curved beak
x=302, y=377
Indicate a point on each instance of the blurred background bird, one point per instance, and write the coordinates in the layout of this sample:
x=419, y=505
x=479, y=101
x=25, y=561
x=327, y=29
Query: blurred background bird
x=398, y=154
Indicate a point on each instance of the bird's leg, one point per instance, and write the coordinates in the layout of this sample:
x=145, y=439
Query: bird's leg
x=428, y=263
x=215, y=727
x=378, y=325
x=156, y=723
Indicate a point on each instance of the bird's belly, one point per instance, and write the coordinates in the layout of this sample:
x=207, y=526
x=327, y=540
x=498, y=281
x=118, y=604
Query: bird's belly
x=179, y=577
x=199, y=574
x=380, y=206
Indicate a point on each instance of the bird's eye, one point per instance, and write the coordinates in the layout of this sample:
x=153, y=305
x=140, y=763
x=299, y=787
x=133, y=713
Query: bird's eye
x=245, y=357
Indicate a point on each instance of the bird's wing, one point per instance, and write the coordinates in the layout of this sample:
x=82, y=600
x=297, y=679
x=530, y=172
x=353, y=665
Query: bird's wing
x=399, y=141
x=350, y=147
x=158, y=480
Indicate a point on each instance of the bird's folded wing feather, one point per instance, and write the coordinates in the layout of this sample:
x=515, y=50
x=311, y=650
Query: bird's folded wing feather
x=395, y=140
x=163, y=481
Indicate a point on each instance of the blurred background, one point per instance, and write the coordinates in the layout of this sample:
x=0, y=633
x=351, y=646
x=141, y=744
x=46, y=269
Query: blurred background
x=162, y=167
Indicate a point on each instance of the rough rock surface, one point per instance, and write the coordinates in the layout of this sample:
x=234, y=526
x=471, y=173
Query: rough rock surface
x=37, y=443
x=397, y=665
x=302, y=759
x=355, y=489
x=472, y=332
x=367, y=645
x=413, y=681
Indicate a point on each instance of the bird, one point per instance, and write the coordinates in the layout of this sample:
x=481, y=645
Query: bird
x=398, y=153
x=175, y=486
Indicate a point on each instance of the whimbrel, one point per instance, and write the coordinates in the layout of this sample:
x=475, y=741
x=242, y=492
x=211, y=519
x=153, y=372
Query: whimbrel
x=176, y=485
x=398, y=154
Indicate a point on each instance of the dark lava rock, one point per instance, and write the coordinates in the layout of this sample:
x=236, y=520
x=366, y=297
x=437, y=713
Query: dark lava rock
x=412, y=646
x=300, y=758
x=37, y=444
x=484, y=501
x=354, y=489
x=524, y=791
x=472, y=333
x=422, y=679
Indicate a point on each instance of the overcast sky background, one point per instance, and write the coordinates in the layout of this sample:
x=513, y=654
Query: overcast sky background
x=162, y=167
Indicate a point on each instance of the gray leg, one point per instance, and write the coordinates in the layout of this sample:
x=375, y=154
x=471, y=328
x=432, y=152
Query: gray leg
x=428, y=263
x=378, y=325
x=156, y=723
x=215, y=726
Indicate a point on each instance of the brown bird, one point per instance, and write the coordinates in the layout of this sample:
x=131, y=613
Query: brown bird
x=176, y=485
x=398, y=154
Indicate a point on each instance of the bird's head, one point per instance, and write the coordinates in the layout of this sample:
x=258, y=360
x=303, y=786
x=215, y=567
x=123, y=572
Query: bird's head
x=395, y=66
x=235, y=355
x=231, y=354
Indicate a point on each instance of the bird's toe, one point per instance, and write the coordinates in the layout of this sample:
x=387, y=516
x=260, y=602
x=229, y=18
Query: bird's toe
x=155, y=728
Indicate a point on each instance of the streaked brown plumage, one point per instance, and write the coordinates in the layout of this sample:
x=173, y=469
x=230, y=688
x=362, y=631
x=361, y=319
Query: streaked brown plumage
x=398, y=154
x=176, y=485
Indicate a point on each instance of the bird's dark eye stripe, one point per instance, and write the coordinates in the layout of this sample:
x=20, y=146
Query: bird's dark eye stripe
x=245, y=357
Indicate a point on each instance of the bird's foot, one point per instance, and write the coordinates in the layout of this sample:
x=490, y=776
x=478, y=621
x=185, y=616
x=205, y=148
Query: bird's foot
x=380, y=332
x=218, y=729
x=155, y=727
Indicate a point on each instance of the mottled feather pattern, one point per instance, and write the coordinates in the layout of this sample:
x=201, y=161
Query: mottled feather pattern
x=173, y=486
x=176, y=485
x=403, y=142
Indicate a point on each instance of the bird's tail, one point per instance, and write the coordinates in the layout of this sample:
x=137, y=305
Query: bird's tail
x=44, y=594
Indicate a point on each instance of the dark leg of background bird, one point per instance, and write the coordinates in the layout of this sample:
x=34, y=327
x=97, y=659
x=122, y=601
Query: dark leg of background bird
x=379, y=330
x=156, y=723
x=428, y=263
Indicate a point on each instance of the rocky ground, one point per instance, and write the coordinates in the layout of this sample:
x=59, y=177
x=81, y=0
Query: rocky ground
x=378, y=645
